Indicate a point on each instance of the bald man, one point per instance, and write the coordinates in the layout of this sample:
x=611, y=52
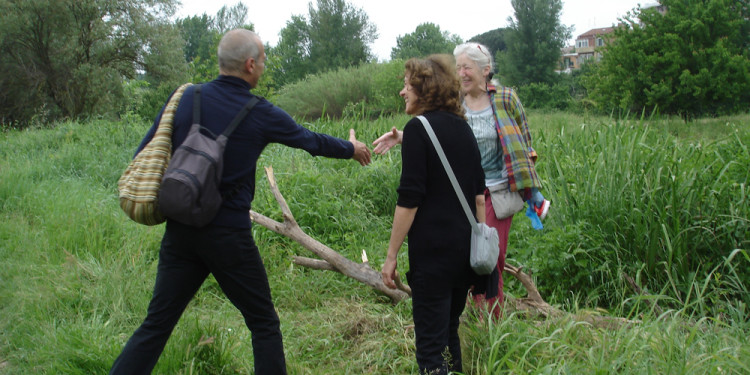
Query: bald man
x=225, y=247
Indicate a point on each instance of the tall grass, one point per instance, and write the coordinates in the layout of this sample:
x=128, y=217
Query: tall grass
x=77, y=275
x=655, y=345
x=662, y=209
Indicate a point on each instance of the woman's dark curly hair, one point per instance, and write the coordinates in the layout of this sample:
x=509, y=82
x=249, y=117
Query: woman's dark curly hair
x=435, y=83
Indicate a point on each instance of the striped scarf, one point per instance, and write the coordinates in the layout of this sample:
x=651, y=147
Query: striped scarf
x=513, y=130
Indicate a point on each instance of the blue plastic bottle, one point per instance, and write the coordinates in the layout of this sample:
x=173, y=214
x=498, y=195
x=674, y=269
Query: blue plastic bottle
x=531, y=214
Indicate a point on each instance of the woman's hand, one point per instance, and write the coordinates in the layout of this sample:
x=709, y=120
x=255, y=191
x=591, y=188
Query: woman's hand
x=389, y=272
x=402, y=219
x=387, y=140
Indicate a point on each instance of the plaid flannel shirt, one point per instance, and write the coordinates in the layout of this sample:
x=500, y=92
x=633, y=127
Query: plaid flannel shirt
x=513, y=130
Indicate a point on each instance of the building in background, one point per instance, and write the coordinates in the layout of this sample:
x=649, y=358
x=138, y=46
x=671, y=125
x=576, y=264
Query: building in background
x=590, y=45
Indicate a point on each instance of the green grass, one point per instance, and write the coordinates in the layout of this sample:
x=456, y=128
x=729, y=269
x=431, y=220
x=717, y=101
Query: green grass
x=662, y=201
x=655, y=345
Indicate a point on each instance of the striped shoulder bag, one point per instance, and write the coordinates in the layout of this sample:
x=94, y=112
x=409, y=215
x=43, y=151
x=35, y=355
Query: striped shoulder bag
x=139, y=184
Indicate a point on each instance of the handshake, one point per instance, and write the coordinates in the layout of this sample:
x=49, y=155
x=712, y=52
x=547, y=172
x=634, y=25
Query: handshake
x=382, y=145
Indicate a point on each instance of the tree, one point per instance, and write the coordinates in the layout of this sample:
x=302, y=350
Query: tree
x=231, y=18
x=336, y=35
x=202, y=35
x=533, y=40
x=67, y=58
x=340, y=35
x=198, y=33
x=693, y=60
x=425, y=40
x=293, y=51
x=494, y=40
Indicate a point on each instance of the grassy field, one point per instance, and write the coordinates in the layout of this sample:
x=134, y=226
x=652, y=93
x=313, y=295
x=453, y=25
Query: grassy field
x=656, y=199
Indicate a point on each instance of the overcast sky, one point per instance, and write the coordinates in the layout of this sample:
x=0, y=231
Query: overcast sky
x=394, y=18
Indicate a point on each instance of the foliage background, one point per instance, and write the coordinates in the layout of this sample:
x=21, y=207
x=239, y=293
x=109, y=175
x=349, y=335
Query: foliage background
x=334, y=35
x=691, y=61
x=92, y=59
x=533, y=43
x=69, y=58
x=426, y=39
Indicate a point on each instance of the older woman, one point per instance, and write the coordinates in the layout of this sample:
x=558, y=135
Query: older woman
x=498, y=122
x=431, y=214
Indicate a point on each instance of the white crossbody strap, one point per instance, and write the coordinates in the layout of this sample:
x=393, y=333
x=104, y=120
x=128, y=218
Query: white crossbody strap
x=449, y=171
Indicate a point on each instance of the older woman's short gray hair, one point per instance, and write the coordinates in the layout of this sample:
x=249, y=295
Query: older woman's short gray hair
x=235, y=48
x=479, y=53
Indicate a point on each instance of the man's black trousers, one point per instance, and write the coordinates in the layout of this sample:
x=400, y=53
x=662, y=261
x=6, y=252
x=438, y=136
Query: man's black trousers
x=187, y=256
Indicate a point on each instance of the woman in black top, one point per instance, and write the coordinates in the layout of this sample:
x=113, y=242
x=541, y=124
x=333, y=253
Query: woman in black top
x=431, y=214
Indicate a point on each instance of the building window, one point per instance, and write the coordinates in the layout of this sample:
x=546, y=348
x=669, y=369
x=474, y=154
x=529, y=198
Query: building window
x=580, y=43
x=599, y=42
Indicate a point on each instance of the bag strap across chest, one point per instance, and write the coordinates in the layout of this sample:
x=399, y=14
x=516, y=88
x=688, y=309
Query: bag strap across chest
x=449, y=171
x=232, y=125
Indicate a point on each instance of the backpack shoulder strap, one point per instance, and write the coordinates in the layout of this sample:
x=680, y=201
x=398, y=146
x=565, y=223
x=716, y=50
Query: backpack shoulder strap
x=241, y=115
x=236, y=121
x=197, y=104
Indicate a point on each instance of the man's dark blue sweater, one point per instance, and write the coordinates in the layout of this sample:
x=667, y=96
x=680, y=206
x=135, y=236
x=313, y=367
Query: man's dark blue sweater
x=221, y=99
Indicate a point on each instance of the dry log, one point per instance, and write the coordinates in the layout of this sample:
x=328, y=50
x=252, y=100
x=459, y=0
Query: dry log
x=318, y=264
x=333, y=261
x=289, y=228
x=315, y=264
x=534, y=301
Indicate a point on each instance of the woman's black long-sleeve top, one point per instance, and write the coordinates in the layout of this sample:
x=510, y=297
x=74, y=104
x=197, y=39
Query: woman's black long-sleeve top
x=439, y=238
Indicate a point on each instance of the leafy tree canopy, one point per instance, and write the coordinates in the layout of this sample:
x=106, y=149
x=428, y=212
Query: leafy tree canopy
x=335, y=35
x=67, y=58
x=199, y=34
x=427, y=39
x=230, y=18
x=493, y=39
x=533, y=43
x=202, y=35
x=692, y=60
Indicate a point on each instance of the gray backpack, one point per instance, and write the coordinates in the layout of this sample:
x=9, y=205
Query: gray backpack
x=189, y=190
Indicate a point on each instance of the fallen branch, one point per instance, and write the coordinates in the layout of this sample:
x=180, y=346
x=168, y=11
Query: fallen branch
x=534, y=301
x=333, y=261
x=318, y=264
x=289, y=228
x=638, y=290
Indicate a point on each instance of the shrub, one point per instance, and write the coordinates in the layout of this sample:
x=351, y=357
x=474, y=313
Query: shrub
x=545, y=96
x=371, y=89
